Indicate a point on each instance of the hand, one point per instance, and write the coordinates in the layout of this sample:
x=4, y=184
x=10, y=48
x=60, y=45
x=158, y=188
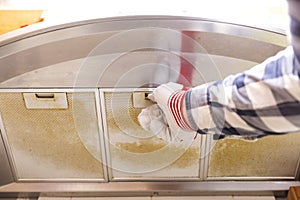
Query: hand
x=165, y=119
x=153, y=119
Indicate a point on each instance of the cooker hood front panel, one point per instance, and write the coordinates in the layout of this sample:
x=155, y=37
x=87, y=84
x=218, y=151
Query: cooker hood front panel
x=97, y=137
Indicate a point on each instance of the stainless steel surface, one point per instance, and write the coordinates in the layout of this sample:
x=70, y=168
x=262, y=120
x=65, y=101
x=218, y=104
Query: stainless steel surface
x=152, y=188
x=6, y=174
x=207, y=141
x=140, y=100
x=101, y=136
x=83, y=51
x=124, y=23
x=203, y=163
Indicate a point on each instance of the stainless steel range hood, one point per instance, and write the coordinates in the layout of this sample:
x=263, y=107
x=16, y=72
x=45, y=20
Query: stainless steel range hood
x=70, y=95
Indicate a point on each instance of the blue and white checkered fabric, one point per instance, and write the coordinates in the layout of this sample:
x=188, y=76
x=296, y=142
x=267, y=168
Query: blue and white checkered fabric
x=264, y=100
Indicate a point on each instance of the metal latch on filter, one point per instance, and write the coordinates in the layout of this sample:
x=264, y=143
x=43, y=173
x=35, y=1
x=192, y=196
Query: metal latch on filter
x=44, y=100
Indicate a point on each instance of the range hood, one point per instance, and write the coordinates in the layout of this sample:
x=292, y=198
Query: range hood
x=70, y=95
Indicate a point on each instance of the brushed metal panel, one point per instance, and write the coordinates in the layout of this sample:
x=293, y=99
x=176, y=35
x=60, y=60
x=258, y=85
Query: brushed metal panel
x=6, y=174
x=51, y=144
x=153, y=188
x=32, y=50
x=145, y=66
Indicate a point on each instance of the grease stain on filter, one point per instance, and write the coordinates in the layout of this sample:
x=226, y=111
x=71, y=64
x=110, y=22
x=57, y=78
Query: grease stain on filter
x=188, y=158
x=272, y=156
x=45, y=143
x=137, y=153
x=140, y=146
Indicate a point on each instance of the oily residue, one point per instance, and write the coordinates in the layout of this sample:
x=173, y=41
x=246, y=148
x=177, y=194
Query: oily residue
x=145, y=146
x=189, y=156
x=119, y=108
x=135, y=151
x=267, y=157
x=48, y=139
x=121, y=116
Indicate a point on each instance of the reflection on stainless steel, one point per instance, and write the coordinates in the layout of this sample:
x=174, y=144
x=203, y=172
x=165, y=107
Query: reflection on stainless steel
x=59, y=47
x=121, y=53
x=152, y=188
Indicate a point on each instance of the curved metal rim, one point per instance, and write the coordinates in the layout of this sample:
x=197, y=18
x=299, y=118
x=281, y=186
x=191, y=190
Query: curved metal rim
x=41, y=28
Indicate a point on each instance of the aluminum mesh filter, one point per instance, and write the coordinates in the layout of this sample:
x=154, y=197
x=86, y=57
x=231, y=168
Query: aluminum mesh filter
x=135, y=153
x=273, y=156
x=45, y=143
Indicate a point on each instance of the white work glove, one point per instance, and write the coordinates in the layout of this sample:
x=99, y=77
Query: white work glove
x=153, y=120
x=165, y=119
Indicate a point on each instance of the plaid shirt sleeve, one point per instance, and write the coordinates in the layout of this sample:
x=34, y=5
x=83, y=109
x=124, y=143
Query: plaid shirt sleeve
x=264, y=100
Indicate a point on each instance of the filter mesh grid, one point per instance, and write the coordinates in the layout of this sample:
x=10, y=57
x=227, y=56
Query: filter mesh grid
x=45, y=143
x=274, y=156
x=136, y=153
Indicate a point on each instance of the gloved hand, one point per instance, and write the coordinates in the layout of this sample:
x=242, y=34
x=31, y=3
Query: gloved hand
x=154, y=120
x=165, y=119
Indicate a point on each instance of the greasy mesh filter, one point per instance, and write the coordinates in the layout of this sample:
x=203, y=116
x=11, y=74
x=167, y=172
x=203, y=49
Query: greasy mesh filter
x=120, y=114
x=273, y=156
x=136, y=153
x=45, y=143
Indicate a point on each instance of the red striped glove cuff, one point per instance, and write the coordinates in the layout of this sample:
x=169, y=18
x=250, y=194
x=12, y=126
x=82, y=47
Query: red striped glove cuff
x=176, y=107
